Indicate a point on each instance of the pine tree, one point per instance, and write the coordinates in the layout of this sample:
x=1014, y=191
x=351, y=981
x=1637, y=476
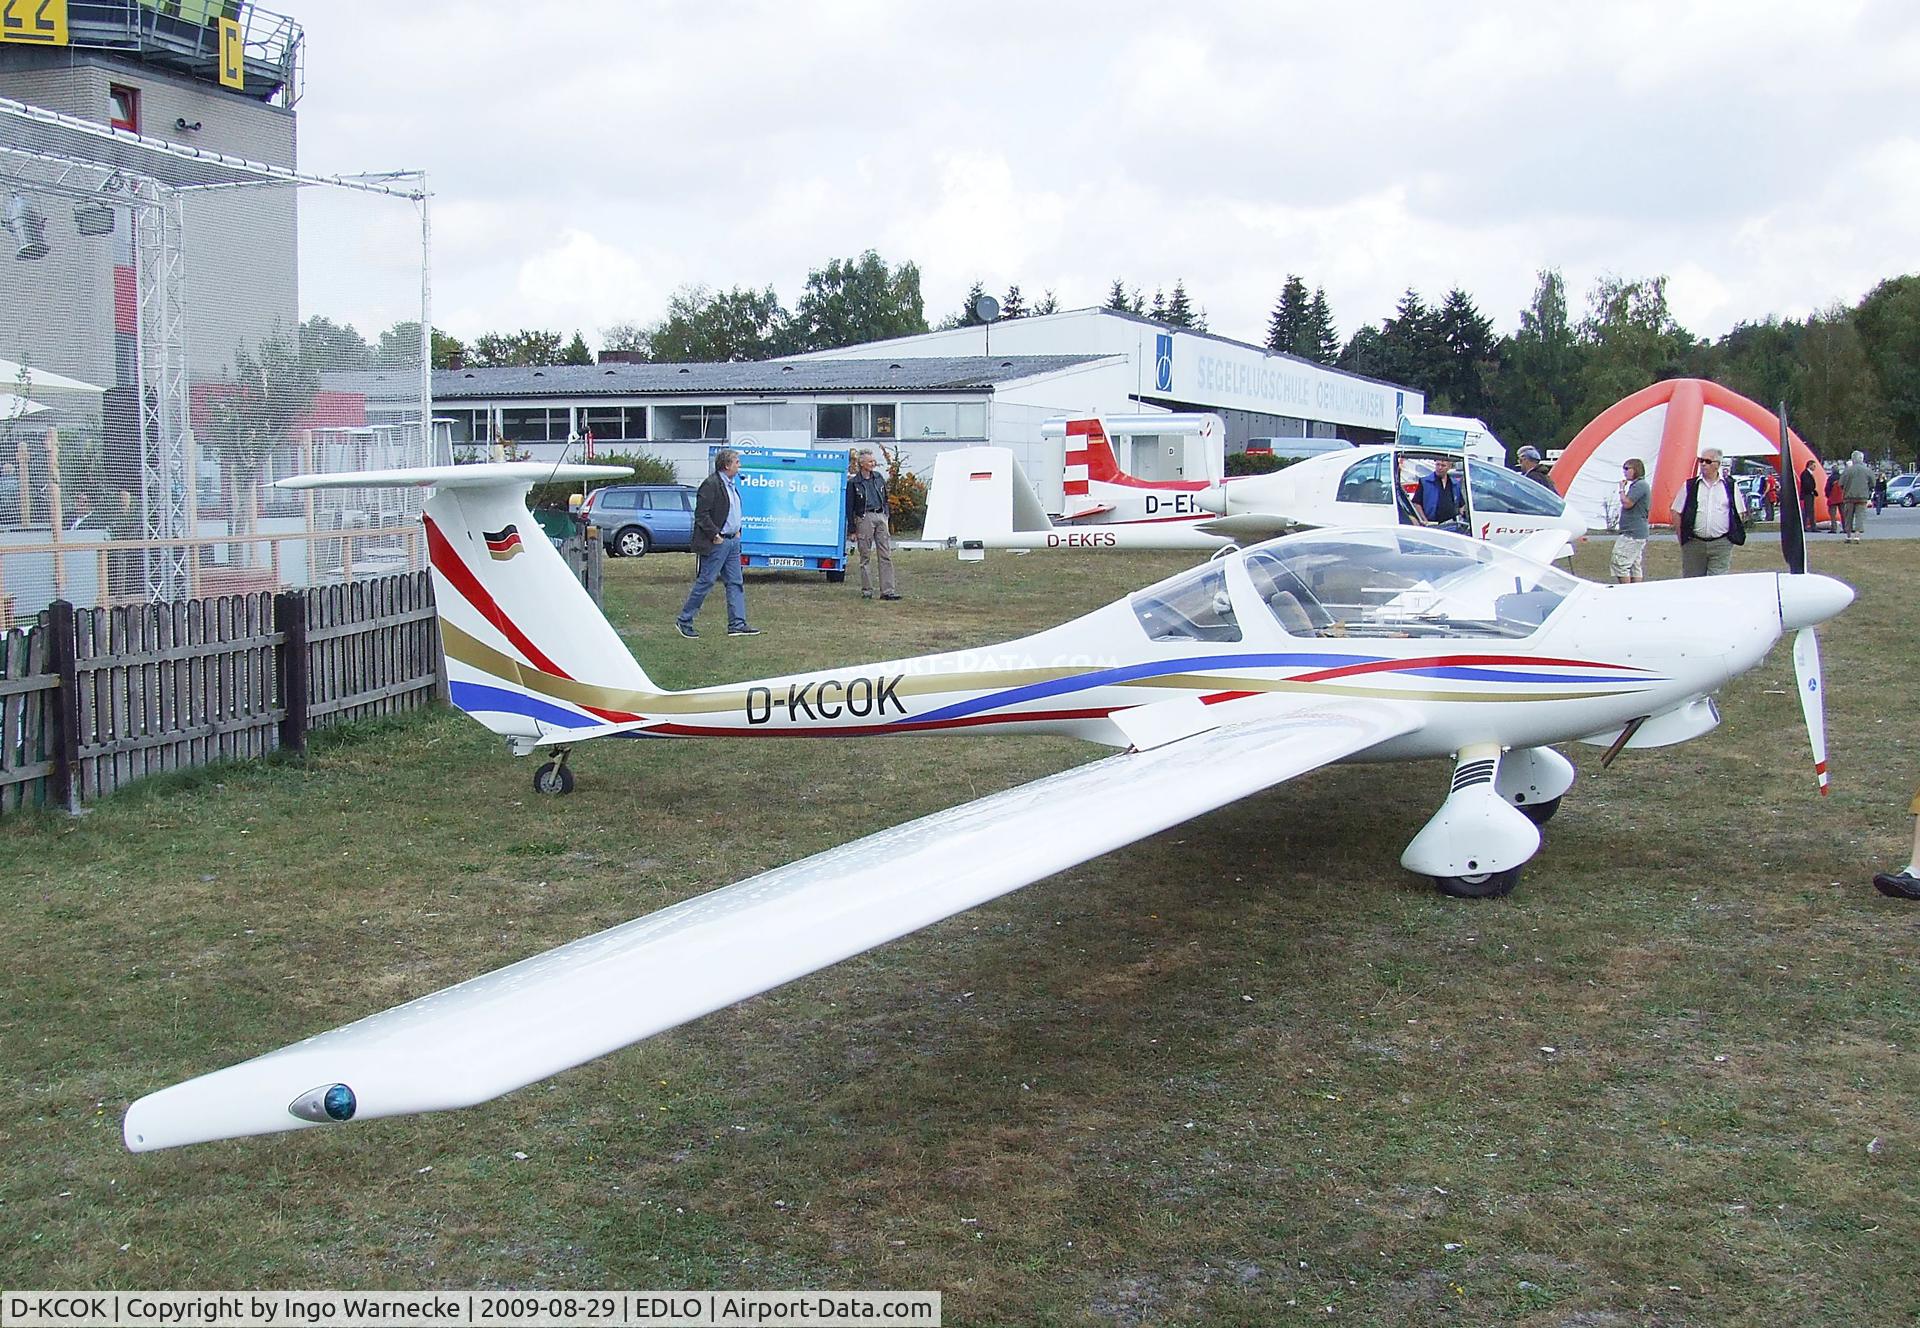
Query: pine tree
x=576, y=351
x=1049, y=304
x=1323, y=339
x=1286, y=328
x=1158, y=310
x=1117, y=298
x=967, y=317
x=1179, y=307
x=1012, y=307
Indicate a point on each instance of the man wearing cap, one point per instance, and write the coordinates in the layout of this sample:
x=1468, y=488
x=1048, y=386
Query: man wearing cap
x=1707, y=519
x=1530, y=467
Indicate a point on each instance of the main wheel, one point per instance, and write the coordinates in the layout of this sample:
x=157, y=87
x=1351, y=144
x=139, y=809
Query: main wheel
x=1539, y=812
x=632, y=543
x=553, y=779
x=1485, y=885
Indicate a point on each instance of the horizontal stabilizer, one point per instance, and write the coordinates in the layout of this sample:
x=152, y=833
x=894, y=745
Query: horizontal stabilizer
x=476, y=476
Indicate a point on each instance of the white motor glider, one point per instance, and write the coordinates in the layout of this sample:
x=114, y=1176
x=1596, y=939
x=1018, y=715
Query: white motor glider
x=982, y=499
x=1231, y=677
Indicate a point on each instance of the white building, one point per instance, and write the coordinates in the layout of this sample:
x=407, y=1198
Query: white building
x=1259, y=393
x=995, y=384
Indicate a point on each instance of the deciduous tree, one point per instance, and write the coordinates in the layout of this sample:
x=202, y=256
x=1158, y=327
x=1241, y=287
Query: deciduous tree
x=861, y=299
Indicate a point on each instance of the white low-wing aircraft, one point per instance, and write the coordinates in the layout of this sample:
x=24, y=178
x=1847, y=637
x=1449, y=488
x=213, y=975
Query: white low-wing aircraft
x=1228, y=678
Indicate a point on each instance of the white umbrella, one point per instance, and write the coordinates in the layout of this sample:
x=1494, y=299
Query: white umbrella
x=14, y=407
x=17, y=375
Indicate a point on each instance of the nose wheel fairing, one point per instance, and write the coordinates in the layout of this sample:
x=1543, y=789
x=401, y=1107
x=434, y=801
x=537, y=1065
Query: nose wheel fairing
x=1476, y=843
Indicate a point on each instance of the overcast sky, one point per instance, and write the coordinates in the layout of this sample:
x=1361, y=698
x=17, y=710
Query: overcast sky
x=586, y=159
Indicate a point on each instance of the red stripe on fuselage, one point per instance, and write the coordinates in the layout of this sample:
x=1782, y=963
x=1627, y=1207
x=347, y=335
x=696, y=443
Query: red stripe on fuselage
x=876, y=730
x=446, y=561
x=1449, y=661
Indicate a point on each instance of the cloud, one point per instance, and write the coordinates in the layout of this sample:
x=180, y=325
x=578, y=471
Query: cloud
x=1757, y=153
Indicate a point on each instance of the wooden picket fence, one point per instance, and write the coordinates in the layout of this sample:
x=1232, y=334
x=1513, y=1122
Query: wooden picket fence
x=93, y=699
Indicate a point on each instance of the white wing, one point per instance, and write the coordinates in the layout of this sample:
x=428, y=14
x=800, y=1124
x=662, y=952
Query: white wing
x=519, y=1024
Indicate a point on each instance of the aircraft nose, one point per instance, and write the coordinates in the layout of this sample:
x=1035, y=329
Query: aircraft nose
x=1806, y=600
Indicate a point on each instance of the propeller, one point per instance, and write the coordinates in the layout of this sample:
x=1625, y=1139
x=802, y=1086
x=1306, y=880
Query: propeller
x=1811, y=684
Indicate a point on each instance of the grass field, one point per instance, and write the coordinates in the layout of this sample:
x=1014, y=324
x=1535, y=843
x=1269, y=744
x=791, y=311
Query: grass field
x=1249, y=1071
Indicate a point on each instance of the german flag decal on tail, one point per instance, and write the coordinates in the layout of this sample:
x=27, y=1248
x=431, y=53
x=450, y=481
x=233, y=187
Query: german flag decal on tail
x=503, y=544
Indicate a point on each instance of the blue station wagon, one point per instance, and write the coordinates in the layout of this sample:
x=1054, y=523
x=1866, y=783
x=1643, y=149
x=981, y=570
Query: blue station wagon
x=637, y=519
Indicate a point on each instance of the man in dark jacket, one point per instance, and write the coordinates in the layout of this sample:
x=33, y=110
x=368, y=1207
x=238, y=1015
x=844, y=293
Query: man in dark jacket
x=1809, y=487
x=867, y=523
x=1706, y=517
x=716, y=543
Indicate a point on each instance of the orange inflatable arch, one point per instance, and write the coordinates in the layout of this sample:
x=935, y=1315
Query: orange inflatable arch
x=1590, y=464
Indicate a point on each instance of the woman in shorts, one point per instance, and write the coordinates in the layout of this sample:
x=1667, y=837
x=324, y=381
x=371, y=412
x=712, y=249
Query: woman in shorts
x=1629, y=561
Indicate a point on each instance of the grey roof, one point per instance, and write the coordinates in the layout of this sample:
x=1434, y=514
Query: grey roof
x=957, y=373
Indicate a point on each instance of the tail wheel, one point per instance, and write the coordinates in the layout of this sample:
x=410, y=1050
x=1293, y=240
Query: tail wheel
x=632, y=543
x=553, y=779
x=1485, y=885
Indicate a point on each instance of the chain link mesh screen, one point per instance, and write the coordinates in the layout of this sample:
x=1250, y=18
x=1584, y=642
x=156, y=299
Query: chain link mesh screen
x=177, y=330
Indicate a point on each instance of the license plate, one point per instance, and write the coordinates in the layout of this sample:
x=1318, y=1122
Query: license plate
x=786, y=562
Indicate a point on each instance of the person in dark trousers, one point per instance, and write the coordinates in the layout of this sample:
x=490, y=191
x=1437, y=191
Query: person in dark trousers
x=1905, y=883
x=1442, y=501
x=716, y=543
x=1809, y=489
x=1707, y=519
x=1530, y=467
x=867, y=524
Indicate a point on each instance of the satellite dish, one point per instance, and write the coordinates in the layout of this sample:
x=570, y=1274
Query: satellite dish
x=986, y=308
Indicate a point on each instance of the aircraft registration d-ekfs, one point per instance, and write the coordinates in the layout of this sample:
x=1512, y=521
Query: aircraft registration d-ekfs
x=1231, y=677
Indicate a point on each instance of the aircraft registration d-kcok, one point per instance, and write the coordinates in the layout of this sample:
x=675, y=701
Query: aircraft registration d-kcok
x=980, y=499
x=1259, y=665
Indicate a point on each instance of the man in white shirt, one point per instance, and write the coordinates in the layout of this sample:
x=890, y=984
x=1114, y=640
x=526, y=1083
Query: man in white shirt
x=1706, y=517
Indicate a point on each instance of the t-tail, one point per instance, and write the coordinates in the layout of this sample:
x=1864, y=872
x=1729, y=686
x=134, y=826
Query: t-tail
x=1090, y=458
x=528, y=652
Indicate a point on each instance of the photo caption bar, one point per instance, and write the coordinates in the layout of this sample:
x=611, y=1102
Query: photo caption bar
x=531, y=1309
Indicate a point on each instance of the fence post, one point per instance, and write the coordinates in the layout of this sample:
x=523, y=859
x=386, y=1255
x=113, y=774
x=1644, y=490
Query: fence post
x=64, y=657
x=593, y=552
x=290, y=664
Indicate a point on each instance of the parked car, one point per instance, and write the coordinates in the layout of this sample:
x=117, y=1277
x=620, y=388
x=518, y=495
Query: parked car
x=637, y=519
x=1904, y=490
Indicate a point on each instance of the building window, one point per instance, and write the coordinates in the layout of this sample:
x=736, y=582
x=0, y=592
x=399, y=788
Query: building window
x=688, y=423
x=835, y=422
x=123, y=108
x=859, y=420
x=943, y=419
x=537, y=424
x=614, y=423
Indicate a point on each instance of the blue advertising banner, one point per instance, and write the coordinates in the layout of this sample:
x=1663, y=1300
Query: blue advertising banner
x=793, y=504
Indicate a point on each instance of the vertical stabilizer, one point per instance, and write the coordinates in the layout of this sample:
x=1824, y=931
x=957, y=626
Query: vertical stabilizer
x=979, y=492
x=528, y=651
